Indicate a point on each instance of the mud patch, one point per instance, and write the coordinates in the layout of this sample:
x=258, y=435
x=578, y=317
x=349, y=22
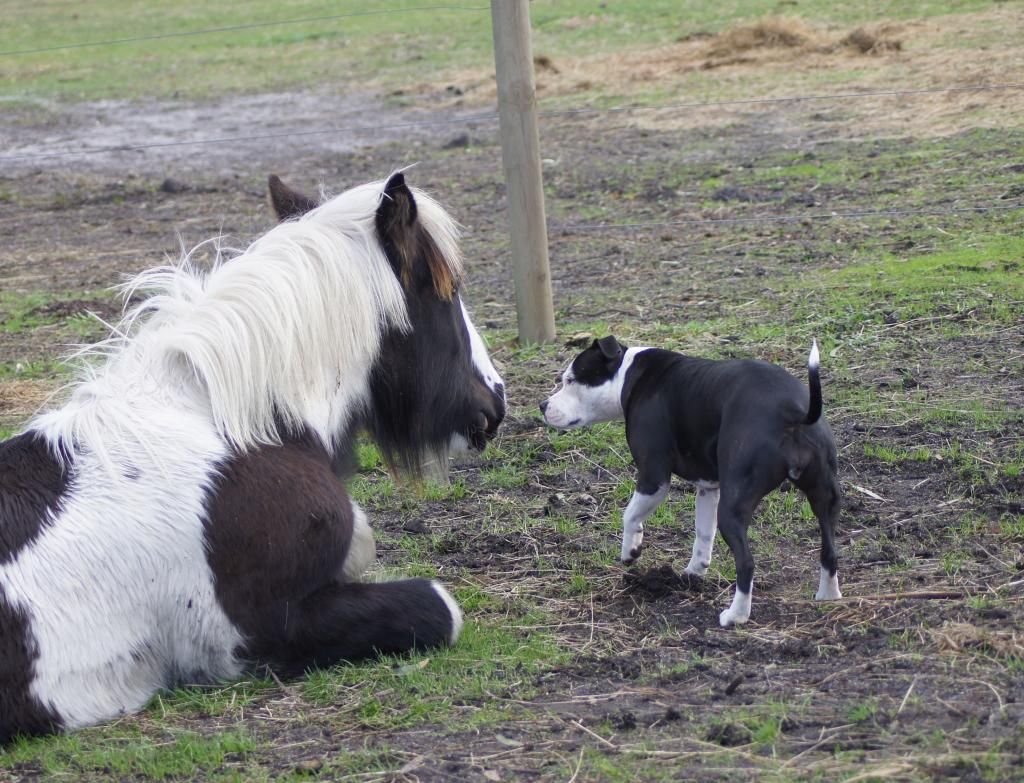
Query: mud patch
x=661, y=582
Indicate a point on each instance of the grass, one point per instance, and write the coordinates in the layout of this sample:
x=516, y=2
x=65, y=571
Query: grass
x=26, y=311
x=403, y=692
x=913, y=321
x=178, y=755
x=362, y=49
x=513, y=643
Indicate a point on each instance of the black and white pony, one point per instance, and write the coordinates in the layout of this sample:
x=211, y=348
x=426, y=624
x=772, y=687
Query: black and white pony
x=178, y=520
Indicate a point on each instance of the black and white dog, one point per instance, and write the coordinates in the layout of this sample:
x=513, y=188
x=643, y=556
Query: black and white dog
x=739, y=428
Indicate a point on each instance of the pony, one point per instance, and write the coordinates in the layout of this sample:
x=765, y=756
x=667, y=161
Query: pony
x=180, y=519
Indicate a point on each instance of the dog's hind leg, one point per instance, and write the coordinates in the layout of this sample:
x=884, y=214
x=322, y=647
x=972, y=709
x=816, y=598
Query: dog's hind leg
x=733, y=519
x=706, y=527
x=824, y=499
x=743, y=485
x=640, y=507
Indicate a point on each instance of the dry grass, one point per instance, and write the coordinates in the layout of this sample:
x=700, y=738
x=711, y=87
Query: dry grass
x=19, y=399
x=960, y=637
x=781, y=57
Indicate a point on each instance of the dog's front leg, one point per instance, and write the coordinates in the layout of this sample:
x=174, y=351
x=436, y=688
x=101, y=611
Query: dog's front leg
x=707, y=526
x=640, y=507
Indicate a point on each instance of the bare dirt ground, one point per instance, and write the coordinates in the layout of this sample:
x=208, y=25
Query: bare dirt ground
x=917, y=675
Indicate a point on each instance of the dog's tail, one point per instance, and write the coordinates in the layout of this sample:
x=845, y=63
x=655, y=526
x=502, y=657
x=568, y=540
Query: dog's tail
x=814, y=381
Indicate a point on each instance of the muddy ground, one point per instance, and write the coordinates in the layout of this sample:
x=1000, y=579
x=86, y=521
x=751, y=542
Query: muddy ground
x=917, y=674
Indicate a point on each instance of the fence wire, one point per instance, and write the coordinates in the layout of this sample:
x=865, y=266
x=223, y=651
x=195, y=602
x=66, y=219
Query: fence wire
x=853, y=215
x=492, y=117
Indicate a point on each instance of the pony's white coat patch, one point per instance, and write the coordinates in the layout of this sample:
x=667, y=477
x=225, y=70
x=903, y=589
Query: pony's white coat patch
x=481, y=358
x=362, y=550
x=453, y=607
x=117, y=588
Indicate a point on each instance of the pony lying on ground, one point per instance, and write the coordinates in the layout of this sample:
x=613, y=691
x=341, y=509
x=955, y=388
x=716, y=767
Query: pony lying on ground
x=178, y=520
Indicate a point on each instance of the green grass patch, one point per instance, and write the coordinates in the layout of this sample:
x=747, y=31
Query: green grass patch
x=24, y=311
x=385, y=46
x=200, y=702
x=102, y=752
x=862, y=712
x=604, y=444
x=408, y=690
x=1012, y=526
x=896, y=455
x=976, y=278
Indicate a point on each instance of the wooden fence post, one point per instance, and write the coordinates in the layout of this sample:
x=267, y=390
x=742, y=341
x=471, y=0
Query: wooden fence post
x=520, y=152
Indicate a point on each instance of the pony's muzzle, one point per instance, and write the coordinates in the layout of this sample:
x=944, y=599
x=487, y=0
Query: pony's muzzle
x=486, y=422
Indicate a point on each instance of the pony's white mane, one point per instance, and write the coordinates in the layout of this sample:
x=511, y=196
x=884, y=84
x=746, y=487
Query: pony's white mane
x=283, y=333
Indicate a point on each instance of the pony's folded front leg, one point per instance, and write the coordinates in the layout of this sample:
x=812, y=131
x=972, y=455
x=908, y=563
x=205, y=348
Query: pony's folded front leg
x=353, y=620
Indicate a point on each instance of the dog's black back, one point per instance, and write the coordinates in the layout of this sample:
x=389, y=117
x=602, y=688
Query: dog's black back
x=679, y=408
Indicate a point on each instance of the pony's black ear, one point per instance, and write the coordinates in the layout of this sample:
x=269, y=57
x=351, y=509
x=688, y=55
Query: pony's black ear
x=397, y=210
x=288, y=203
x=413, y=254
x=611, y=349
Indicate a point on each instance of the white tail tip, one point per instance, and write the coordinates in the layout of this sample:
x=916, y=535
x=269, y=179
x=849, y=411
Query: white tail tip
x=815, y=358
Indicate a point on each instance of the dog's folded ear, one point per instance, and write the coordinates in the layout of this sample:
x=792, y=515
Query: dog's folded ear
x=611, y=349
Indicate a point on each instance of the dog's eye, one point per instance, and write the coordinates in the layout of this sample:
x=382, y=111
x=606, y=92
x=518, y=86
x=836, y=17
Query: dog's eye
x=570, y=381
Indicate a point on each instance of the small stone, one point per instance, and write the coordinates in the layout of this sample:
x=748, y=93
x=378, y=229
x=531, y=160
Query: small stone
x=171, y=185
x=554, y=503
x=457, y=142
x=415, y=526
x=624, y=721
x=729, y=735
x=734, y=685
x=309, y=766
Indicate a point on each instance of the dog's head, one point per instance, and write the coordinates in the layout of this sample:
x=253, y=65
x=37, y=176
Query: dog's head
x=591, y=387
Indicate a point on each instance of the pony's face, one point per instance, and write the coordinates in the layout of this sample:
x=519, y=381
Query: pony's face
x=433, y=388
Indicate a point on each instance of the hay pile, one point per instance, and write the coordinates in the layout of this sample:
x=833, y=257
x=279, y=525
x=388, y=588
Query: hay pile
x=775, y=35
x=963, y=637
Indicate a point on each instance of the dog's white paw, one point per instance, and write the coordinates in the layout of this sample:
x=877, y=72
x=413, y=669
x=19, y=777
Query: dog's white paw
x=696, y=568
x=632, y=546
x=828, y=587
x=627, y=556
x=729, y=617
x=739, y=612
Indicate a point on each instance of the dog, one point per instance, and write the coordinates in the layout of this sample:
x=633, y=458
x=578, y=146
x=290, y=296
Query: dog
x=739, y=428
